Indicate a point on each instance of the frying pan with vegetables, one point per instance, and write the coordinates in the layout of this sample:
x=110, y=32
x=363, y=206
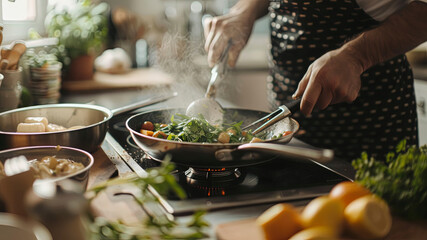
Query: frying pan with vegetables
x=222, y=155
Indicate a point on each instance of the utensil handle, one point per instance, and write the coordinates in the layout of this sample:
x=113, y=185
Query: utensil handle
x=143, y=103
x=218, y=71
x=318, y=155
x=293, y=106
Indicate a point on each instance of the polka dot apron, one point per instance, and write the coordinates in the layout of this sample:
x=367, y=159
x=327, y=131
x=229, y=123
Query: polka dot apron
x=384, y=112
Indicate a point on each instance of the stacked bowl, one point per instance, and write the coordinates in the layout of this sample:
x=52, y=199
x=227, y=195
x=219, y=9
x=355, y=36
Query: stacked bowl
x=45, y=83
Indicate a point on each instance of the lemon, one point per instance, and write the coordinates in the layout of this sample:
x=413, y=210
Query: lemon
x=348, y=191
x=280, y=221
x=368, y=217
x=324, y=211
x=315, y=233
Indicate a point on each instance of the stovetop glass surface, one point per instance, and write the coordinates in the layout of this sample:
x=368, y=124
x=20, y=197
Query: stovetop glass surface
x=274, y=175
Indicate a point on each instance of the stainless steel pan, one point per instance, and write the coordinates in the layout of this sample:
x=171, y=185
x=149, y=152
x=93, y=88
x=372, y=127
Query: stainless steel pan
x=218, y=155
x=94, y=119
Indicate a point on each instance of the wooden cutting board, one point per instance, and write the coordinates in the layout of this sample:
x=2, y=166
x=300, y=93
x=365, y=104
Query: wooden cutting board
x=247, y=229
x=136, y=78
x=108, y=204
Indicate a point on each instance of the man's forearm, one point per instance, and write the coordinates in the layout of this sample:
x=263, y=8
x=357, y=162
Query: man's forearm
x=401, y=32
x=257, y=8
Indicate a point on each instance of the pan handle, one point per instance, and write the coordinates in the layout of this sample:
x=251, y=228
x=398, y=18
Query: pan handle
x=143, y=103
x=318, y=155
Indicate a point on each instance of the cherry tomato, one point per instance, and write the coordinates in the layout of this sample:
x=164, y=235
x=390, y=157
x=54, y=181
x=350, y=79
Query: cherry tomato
x=148, y=126
x=224, y=137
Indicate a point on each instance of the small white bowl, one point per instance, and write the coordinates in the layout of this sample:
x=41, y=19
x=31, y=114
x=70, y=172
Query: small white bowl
x=38, y=152
x=14, y=227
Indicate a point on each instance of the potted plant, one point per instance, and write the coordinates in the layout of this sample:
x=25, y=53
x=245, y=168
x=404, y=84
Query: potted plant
x=82, y=30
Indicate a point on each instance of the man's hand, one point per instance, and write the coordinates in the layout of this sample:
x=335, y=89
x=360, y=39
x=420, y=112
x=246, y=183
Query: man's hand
x=332, y=78
x=219, y=30
x=335, y=77
x=236, y=25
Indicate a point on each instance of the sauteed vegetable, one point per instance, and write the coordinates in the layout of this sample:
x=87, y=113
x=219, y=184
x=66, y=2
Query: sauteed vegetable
x=190, y=129
x=50, y=167
x=41, y=124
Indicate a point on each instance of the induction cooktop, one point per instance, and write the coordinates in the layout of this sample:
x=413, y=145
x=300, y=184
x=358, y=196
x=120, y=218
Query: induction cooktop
x=277, y=180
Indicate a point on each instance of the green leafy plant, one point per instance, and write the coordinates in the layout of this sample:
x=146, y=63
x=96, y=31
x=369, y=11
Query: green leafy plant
x=82, y=28
x=155, y=227
x=40, y=59
x=401, y=179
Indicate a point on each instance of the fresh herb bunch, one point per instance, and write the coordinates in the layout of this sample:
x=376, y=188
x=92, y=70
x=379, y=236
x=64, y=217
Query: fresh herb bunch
x=189, y=129
x=40, y=59
x=82, y=28
x=155, y=227
x=401, y=179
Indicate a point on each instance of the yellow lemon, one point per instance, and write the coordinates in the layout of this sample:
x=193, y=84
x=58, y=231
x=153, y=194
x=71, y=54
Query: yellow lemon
x=315, y=233
x=368, y=217
x=280, y=221
x=324, y=211
x=348, y=191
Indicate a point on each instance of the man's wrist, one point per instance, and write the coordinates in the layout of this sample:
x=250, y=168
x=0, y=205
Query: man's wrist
x=357, y=50
x=252, y=9
x=361, y=62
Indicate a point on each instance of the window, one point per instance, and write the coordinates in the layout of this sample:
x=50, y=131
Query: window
x=18, y=16
x=19, y=10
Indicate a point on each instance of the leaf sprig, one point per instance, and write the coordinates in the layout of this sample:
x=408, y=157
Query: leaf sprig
x=401, y=179
x=154, y=227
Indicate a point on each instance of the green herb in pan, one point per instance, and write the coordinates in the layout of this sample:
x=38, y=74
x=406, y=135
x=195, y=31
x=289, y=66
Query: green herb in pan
x=189, y=129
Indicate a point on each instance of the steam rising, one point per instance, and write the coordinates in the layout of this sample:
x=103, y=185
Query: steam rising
x=185, y=61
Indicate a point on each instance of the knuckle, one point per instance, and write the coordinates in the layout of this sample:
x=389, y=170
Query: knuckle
x=341, y=93
x=217, y=22
x=214, y=20
x=351, y=97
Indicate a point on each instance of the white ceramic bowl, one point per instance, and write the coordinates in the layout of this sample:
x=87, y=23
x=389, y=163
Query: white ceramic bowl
x=38, y=152
x=14, y=227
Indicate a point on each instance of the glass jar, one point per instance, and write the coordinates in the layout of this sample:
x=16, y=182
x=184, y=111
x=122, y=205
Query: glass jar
x=10, y=89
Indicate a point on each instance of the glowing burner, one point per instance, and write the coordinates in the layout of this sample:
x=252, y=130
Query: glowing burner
x=208, y=191
x=214, y=177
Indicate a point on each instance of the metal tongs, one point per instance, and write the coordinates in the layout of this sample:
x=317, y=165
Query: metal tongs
x=282, y=112
x=218, y=72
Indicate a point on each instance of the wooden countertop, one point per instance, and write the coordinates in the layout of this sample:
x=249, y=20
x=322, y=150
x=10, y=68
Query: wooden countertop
x=108, y=204
x=247, y=229
x=135, y=78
